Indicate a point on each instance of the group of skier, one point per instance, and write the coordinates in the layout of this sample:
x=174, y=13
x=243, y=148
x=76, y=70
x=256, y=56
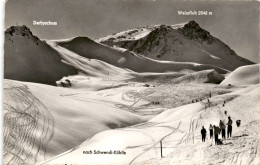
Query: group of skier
x=216, y=130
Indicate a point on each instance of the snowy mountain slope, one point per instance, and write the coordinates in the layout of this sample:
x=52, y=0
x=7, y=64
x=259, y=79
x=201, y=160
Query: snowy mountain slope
x=180, y=136
x=91, y=67
x=94, y=103
x=27, y=58
x=47, y=62
x=126, y=59
x=186, y=42
x=42, y=121
x=207, y=76
x=243, y=75
x=139, y=101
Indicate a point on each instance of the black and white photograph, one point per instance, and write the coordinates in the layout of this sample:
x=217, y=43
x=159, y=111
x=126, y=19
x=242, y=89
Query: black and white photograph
x=130, y=82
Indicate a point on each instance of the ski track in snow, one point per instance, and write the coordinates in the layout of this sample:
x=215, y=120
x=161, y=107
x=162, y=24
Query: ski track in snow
x=155, y=143
x=242, y=148
x=181, y=138
x=28, y=126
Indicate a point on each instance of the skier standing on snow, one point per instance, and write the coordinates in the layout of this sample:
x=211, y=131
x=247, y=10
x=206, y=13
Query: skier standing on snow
x=210, y=131
x=229, y=129
x=203, y=133
x=216, y=132
x=223, y=129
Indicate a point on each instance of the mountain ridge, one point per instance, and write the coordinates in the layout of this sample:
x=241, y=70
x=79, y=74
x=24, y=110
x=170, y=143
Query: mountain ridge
x=123, y=58
x=39, y=61
x=186, y=42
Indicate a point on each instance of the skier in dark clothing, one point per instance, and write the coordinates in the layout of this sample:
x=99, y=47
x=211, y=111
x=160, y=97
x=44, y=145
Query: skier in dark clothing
x=210, y=131
x=216, y=132
x=222, y=126
x=203, y=133
x=229, y=130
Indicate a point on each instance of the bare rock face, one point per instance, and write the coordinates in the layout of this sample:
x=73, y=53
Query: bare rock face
x=20, y=30
x=193, y=31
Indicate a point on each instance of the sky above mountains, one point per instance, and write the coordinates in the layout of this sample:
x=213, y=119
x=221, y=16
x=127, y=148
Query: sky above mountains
x=235, y=23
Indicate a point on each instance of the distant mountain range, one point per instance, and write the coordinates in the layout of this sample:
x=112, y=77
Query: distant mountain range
x=155, y=49
x=186, y=42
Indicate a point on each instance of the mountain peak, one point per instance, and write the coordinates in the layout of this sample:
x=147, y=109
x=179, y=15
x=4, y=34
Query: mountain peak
x=193, y=24
x=23, y=31
x=192, y=30
x=36, y=61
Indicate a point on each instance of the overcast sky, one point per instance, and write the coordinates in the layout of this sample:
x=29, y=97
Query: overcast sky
x=235, y=23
